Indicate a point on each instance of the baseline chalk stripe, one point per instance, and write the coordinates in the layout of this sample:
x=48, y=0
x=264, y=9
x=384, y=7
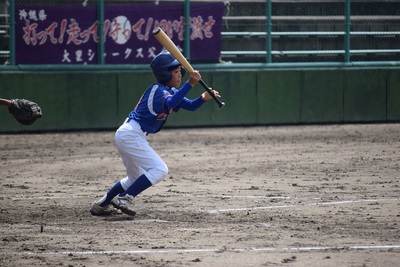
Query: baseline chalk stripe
x=194, y=250
x=48, y=197
x=244, y=196
x=304, y=205
x=173, y=195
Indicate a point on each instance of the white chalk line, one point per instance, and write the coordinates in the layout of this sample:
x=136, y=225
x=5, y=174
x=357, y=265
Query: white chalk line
x=265, y=249
x=303, y=205
x=48, y=197
x=343, y=202
x=172, y=195
x=207, y=250
x=245, y=196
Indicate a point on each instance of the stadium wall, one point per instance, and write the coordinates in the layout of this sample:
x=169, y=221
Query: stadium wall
x=93, y=100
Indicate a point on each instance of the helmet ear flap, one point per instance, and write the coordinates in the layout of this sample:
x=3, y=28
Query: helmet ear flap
x=164, y=76
x=183, y=71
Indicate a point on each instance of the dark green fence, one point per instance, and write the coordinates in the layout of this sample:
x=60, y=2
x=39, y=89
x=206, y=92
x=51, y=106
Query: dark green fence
x=102, y=100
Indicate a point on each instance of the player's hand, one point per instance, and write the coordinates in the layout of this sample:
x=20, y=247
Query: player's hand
x=206, y=96
x=194, y=78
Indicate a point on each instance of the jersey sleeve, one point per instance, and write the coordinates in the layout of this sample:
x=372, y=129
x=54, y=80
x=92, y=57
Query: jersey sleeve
x=191, y=105
x=175, y=100
x=157, y=100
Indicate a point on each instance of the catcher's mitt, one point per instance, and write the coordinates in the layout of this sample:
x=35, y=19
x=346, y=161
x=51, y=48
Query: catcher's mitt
x=24, y=111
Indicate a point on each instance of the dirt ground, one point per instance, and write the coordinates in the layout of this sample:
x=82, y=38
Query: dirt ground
x=248, y=196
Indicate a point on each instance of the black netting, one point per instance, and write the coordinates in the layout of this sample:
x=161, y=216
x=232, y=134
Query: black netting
x=311, y=31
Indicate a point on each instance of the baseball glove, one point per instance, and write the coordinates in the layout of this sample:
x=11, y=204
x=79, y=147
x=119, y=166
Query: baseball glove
x=24, y=111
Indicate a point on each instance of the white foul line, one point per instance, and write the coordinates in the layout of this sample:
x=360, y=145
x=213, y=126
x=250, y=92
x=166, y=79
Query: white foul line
x=304, y=205
x=171, y=195
x=193, y=250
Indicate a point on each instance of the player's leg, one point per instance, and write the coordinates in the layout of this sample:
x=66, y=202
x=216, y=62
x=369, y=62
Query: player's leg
x=144, y=168
x=120, y=186
x=154, y=170
x=102, y=206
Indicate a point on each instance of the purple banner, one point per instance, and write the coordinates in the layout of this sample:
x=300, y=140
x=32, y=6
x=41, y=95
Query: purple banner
x=68, y=34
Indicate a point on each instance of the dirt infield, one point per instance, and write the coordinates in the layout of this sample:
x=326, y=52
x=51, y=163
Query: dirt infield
x=253, y=196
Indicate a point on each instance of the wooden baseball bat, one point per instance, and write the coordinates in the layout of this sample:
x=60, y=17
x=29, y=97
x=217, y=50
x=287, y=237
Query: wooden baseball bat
x=165, y=41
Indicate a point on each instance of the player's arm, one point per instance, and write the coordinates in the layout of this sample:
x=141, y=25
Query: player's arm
x=176, y=99
x=191, y=105
x=206, y=96
x=5, y=102
x=194, y=104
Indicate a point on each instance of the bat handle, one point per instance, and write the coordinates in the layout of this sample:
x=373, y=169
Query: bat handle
x=220, y=104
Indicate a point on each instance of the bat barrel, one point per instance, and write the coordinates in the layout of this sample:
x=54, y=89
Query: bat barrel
x=156, y=31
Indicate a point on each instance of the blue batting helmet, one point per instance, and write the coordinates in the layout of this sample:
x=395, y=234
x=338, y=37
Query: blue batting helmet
x=162, y=65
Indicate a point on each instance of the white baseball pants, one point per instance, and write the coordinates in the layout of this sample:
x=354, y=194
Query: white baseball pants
x=137, y=155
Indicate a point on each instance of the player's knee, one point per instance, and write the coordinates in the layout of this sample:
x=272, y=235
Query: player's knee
x=158, y=174
x=163, y=172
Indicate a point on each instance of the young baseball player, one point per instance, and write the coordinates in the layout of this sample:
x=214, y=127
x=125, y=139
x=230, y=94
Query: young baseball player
x=144, y=167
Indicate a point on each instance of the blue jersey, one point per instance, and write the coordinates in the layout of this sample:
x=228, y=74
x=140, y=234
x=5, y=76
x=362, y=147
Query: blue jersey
x=158, y=101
